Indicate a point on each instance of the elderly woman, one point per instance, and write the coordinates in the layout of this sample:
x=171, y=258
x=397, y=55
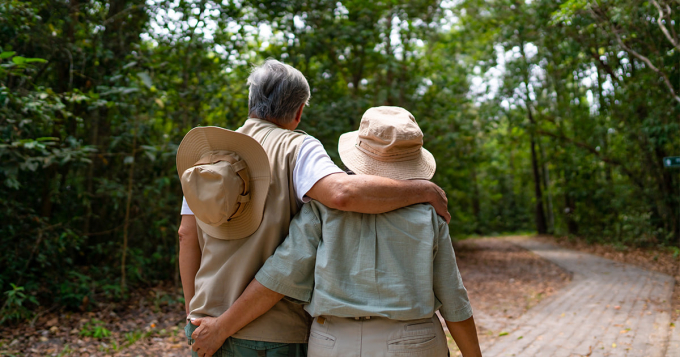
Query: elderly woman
x=372, y=282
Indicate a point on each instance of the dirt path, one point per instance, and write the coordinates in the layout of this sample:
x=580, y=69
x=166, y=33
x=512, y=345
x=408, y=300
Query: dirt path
x=504, y=281
x=609, y=309
x=666, y=261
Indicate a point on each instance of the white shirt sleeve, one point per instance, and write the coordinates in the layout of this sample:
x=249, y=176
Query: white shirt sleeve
x=313, y=164
x=186, y=211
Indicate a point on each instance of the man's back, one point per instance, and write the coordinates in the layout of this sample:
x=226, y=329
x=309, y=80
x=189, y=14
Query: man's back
x=227, y=266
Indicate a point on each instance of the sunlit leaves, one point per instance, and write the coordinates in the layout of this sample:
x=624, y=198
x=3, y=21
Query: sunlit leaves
x=7, y=54
x=568, y=10
x=21, y=60
x=146, y=79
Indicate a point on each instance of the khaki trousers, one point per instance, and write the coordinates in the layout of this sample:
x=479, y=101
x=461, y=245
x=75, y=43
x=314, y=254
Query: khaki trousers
x=333, y=336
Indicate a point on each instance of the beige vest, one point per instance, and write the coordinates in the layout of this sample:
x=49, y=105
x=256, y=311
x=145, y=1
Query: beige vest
x=228, y=266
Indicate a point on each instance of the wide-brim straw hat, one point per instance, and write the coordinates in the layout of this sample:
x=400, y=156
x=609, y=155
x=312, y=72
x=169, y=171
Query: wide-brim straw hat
x=389, y=143
x=245, y=153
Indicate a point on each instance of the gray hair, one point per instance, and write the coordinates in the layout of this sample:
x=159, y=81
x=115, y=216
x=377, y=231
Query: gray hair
x=277, y=91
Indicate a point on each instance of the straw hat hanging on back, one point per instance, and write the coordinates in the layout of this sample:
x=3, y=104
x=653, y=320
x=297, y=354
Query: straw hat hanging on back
x=389, y=143
x=225, y=178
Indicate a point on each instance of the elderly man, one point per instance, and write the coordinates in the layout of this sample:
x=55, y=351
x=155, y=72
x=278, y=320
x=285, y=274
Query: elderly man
x=215, y=270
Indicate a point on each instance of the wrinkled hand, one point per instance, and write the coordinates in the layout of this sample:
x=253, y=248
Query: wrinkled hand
x=208, y=337
x=440, y=203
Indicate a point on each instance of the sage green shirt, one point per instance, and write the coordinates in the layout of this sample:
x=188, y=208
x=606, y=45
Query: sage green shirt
x=398, y=265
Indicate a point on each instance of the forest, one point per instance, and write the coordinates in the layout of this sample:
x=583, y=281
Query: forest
x=545, y=116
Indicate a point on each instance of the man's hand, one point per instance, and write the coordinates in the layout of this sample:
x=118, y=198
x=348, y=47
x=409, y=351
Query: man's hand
x=440, y=203
x=208, y=337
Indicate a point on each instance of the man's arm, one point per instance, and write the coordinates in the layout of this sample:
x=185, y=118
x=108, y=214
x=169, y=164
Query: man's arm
x=212, y=332
x=375, y=194
x=189, y=257
x=465, y=335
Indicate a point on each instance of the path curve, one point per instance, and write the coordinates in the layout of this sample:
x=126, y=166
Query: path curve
x=609, y=309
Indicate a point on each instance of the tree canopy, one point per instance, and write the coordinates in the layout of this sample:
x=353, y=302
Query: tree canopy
x=544, y=116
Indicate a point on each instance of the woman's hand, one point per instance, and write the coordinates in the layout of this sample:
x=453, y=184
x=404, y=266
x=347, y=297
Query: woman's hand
x=208, y=337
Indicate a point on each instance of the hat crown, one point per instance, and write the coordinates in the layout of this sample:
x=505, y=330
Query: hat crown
x=213, y=188
x=209, y=159
x=389, y=143
x=389, y=133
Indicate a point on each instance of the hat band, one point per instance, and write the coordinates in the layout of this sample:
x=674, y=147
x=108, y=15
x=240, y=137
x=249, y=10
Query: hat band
x=384, y=157
x=239, y=167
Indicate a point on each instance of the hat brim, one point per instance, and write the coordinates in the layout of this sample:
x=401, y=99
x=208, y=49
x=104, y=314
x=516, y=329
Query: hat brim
x=421, y=167
x=200, y=140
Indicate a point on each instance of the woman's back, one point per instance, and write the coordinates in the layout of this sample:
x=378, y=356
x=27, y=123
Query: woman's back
x=397, y=265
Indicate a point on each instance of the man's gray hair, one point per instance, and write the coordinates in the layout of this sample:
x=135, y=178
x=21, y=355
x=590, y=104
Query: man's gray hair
x=277, y=91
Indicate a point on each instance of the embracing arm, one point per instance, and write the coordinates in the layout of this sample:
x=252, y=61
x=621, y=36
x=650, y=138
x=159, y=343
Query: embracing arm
x=213, y=331
x=189, y=257
x=290, y=270
x=253, y=303
x=375, y=194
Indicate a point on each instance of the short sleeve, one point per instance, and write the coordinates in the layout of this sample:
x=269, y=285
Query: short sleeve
x=290, y=271
x=448, y=284
x=313, y=164
x=186, y=211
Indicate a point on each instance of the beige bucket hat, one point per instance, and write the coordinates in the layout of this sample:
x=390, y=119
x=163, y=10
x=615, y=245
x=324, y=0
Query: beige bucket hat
x=225, y=178
x=389, y=143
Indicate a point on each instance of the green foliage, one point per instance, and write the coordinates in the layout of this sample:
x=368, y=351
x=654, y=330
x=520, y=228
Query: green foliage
x=72, y=124
x=541, y=106
x=15, y=308
x=568, y=10
x=66, y=351
x=136, y=335
x=95, y=328
x=576, y=82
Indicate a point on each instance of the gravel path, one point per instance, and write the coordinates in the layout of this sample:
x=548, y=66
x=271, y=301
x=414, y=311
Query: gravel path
x=609, y=309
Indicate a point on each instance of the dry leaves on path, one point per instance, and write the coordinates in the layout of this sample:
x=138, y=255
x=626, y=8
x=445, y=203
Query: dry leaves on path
x=150, y=323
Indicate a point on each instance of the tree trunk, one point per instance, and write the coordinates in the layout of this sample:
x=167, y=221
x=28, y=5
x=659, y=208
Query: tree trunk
x=541, y=226
x=89, y=194
x=668, y=188
x=546, y=182
x=47, y=192
x=475, y=200
x=572, y=226
x=127, y=210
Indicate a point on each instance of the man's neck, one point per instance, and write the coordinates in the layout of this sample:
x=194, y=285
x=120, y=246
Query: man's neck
x=289, y=126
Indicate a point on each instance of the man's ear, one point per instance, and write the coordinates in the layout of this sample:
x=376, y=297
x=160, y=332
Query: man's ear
x=298, y=116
